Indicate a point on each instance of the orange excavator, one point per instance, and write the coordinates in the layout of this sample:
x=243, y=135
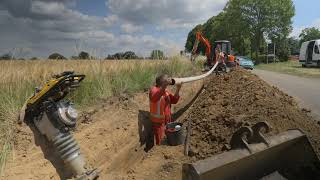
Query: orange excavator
x=206, y=42
x=221, y=52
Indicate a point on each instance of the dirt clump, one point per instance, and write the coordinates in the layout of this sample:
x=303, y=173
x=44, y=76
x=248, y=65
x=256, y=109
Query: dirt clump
x=237, y=99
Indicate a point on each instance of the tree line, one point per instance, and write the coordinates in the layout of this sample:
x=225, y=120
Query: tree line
x=155, y=54
x=250, y=25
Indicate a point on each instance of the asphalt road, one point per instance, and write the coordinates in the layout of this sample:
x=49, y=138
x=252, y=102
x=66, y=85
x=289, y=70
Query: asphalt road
x=306, y=91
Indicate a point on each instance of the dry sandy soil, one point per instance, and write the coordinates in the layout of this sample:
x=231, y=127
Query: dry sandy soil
x=111, y=135
x=112, y=132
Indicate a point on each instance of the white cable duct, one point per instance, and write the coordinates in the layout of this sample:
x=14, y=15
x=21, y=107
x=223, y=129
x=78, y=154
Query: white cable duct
x=194, y=78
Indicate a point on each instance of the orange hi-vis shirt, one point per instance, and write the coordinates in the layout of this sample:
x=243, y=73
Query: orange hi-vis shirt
x=160, y=105
x=231, y=58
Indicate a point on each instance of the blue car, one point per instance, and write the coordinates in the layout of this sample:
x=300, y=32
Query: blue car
x=245, y=62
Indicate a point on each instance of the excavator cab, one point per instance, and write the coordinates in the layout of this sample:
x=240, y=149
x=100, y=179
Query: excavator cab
x=225, y=46
x=226, y=49
x=210, y=51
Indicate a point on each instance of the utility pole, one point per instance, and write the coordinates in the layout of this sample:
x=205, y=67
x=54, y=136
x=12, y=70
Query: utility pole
x=267, y=53
x=274, y=52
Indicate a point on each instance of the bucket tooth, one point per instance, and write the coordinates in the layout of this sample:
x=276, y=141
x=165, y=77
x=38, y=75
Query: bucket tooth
x=258, y=130
x=238, y=139
x=288, y=155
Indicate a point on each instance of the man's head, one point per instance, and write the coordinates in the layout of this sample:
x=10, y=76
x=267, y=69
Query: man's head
x=219, y=46
x=162, y=81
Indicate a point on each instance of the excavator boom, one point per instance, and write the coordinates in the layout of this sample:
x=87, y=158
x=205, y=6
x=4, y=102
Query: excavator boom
x=200, y=38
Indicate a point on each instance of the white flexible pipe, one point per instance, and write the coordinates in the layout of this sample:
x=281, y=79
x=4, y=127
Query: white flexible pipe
x=194, y=78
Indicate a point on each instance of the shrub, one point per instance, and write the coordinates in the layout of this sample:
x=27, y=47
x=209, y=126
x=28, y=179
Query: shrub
x=56, y=56
x=83, y=55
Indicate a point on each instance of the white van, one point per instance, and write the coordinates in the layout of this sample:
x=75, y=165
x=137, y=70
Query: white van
x=310, y=53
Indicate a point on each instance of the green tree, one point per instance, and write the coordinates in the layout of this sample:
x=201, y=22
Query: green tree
x=282, y=49
x=309, y=34
x=231, y=25
x=246, y=23
x=130, y=55
x=7, y=56
x=56, y=56
x=222, y=27
x=270, y=18
x=192, y=37
x=118, y=55
x=157, y=54
x=83, y=55
x=294, y=46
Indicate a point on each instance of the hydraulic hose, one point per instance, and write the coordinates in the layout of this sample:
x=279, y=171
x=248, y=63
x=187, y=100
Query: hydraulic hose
x=193, y=78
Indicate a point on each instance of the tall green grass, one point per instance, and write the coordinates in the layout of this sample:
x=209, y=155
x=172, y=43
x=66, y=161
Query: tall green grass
x=103, y=79
x=291, y=67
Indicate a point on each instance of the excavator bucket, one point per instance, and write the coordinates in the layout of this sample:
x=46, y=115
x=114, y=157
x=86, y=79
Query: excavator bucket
x=288, y=155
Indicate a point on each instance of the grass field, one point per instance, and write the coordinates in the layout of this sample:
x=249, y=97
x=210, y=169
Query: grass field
x=290, y=67
x=103, y=79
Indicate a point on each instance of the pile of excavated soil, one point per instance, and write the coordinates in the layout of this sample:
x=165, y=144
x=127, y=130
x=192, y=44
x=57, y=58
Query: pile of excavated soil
x=240, y=98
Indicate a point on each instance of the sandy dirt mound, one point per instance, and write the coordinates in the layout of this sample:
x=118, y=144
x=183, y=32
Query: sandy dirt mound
x=237, y=99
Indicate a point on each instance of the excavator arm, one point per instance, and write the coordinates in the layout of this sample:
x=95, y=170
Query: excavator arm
x=200, y=38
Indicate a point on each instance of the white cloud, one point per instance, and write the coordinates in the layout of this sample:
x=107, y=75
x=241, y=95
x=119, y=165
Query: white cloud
x=174, y=24
x=165, y=13
x=143, y=45
x=48, y=26
x=316, y=23
x=111, y=20
x=97, y=35
x=48, y=8
x=297, y=30
x=130, y=28
x=43, y=39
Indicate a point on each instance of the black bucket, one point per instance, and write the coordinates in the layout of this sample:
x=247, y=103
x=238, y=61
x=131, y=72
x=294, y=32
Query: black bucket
x=175, y=136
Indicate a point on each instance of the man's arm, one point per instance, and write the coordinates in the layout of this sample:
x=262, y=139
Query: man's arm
x=175, y=98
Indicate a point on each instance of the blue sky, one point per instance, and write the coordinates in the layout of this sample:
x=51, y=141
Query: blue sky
x=101, y=27
x=307, y=11
x=307, y=15
x=92, y=7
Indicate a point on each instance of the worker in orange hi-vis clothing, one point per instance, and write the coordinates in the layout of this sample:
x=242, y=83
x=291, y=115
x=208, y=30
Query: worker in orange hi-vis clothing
x=160, y=105
x=232, y=61
x=219, y=55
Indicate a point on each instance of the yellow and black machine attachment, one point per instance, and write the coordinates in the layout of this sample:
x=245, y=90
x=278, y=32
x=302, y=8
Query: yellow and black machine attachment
x=53, y=91
x=54, y=118
x=288, y=155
